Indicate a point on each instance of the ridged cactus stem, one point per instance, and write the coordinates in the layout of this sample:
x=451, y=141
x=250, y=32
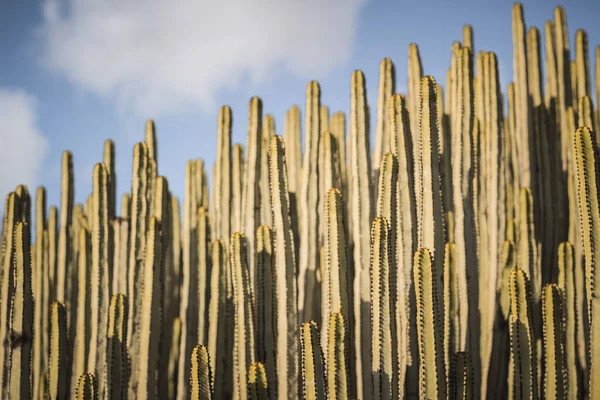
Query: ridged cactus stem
x=199, y=299
x=117, y=357
x=415, y=73
x=523, y=346
x=467, y=37
x=244, y=349
x=110, y=164
x=451, y=296
x=293, y=145
x=258, y=385
x=59, y=352
x=265, y=300
x=386, y=90
x=555, y=378
x=586, y=157
x=382, y=360
x=237, y=185
x=144, y=371
x=566, y=284
x=20, y=337
x=222, y=186
x=39, y=339
x=286, y=289
x=83, y=334
x=462, y=377
x=87, y=388
x=313, y=366
x=268, y=131
x=201, y=375
x=335, y=287
x=362, y=211
x=337, y=364
x=251, y=193
x=582, y=64
x=99, y=273
x=63, y=276
x=217, y=318
x=432, y=369
x=309, y=203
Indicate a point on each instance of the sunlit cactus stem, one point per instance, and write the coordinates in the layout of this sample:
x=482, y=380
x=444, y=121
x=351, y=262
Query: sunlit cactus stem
x=337, y=364
x=258, y=384
x=555, y=378
x=87, y=388
x=117, y=363
x=201, y=375
x=313, y=364
x=462, y=377
x=59, y=353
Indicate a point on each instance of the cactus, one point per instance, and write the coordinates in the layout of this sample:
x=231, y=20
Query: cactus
x=200, y=297
x=83, y=334
x=523, y=348
x=117, y=356
x=63, y=275
x=59, y=357
x=237, y=185
x=308, y=201
x=462, y=376
x=143, y=373
x=258, y=386
x=337, y=364
x=201, y=375
x=243, y=350
x=555, y=378
x=217, y=315
x=566, y=284
x=223, y=186
x=360, y=171
x=386, y=90
x=264, y=299
x=432, y=369
x=172, y=373
x=87, y=388
x=381, y=310
x=39, y=360
x=313, y=366
x=286, y=289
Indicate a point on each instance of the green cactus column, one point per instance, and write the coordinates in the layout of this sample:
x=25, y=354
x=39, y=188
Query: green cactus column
x=462, y=377
x=39, y=360
x=309, y=203
x=217, y=318
x=83, y=334
x=566, y=284
x=381, y=310
x=335, y=287
x=286, y=286
x=201, y=375
x=59, y=360
x=258, y=385
x=63, y=276
x=382, y=132
x=522, y=341
x=362, y=211
x=265, y=300
x=144, y=368
x=222, y=186
x=243, y=347
x=268, y=131
x=87, y=388
x=432, y=369
x=237, y=186
x=313, y=365
x=586, y=159
x=337, y=356
x=117, y=356
x=555, y=378
x=251, y=192
x=20, y=337
x=199, y=299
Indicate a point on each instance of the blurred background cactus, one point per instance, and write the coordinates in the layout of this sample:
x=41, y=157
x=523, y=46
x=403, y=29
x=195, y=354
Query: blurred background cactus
x=456, y=259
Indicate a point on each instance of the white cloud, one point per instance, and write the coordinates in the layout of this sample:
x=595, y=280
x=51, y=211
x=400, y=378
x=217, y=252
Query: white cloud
x=22, y=144
x=160, y=55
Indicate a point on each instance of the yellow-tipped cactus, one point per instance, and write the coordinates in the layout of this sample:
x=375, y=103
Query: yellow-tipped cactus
x=87, y=388
x=201, y=375
x=258, y=385
x=313, y=365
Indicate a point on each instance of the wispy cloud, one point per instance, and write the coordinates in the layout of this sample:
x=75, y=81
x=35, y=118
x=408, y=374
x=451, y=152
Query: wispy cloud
x=157, y=56
x=22, y=144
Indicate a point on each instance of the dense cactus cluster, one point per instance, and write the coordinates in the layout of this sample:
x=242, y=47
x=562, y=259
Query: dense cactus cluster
x=458, y=261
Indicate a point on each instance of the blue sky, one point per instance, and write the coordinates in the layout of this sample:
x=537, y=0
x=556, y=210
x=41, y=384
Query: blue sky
x=75, y=72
